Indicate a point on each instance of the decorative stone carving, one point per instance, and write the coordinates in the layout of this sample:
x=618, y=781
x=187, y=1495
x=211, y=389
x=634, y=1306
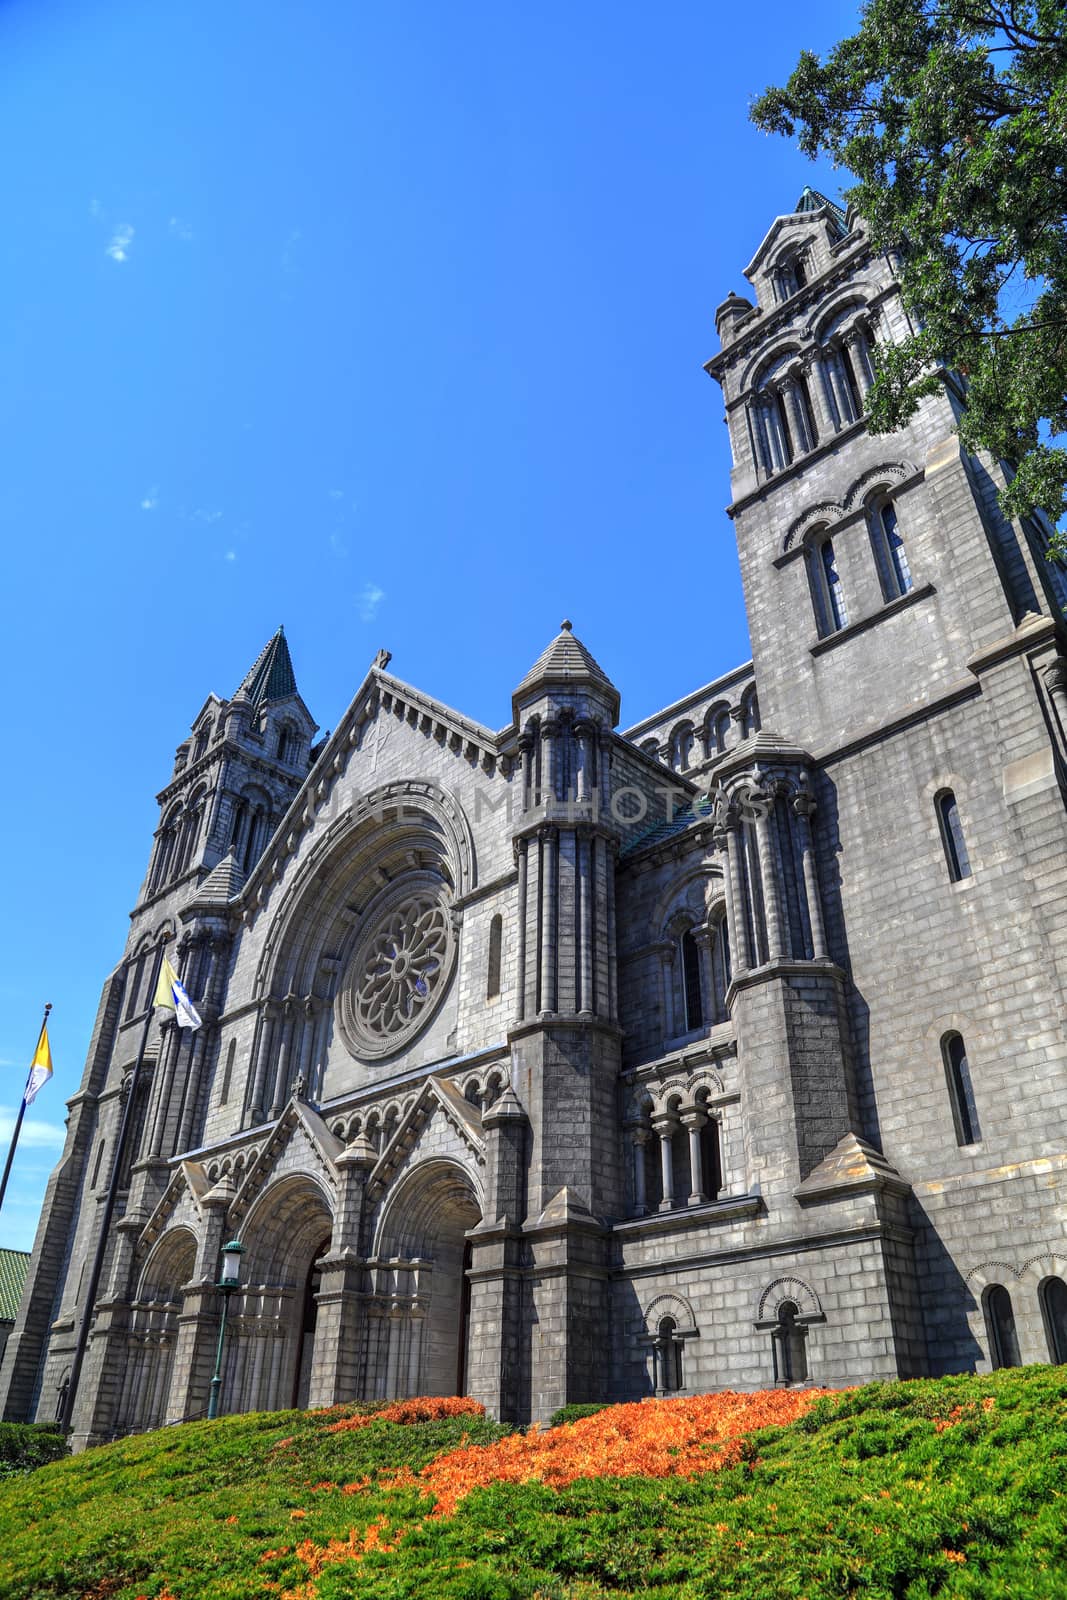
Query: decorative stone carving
x=398, y=972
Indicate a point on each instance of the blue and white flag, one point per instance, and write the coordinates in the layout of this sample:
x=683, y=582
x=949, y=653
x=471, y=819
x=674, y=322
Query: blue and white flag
x=170, y=992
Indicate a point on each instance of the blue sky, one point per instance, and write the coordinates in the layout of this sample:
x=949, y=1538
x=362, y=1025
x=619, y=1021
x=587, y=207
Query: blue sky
x=385, y=322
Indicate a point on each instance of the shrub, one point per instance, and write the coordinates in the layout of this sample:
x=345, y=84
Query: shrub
x=25, y=1445
x=574, y=1412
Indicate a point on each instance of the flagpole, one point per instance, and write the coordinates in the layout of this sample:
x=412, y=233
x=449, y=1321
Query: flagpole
x=22, y=1113
x=93, y=1285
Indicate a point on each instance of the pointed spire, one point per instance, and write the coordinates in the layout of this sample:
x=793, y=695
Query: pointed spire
x=271, y=675
x=814, y=200
x=566, y=662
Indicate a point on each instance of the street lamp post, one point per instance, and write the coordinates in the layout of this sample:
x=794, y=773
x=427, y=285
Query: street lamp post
x=228, y=1282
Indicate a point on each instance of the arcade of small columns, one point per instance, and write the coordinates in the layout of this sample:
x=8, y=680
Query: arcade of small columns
x=762, y=836
x=811, y=398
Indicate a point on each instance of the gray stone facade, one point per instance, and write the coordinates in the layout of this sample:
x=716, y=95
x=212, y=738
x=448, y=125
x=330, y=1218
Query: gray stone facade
x=559, y=1063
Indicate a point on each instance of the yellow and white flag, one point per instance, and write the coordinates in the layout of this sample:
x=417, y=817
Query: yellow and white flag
x=40, y=1066
x=171, y=993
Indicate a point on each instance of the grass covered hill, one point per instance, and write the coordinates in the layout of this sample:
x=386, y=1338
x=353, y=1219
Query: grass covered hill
x=954, y=1487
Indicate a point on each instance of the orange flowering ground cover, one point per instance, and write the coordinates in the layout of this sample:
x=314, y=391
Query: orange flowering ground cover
x=653, y=1438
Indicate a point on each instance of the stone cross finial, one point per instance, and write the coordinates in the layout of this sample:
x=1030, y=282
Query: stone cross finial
x=382, y=659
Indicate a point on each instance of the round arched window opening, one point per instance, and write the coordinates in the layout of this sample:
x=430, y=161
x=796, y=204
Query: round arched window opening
x=398, y=973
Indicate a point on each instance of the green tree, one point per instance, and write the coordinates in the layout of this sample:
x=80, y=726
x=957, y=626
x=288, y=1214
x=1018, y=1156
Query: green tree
x=953, y=116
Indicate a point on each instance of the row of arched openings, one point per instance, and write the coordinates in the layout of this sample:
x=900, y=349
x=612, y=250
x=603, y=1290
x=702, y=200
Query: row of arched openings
x=687, y=743
x=1000, y=1322
x=830, y=601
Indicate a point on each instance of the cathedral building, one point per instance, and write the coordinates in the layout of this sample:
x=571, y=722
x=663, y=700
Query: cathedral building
x=564, y=1063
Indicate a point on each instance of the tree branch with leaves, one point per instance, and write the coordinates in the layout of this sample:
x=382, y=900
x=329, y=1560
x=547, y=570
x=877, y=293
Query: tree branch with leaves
x=952, y=115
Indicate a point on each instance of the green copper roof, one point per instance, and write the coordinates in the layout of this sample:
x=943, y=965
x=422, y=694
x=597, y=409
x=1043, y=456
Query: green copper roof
x=271, y=675
x=813, y=200
x=14, y=1265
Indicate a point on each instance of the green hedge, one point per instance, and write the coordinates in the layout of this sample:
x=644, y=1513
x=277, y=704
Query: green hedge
x=574, y=1412
x=25, y=1445
x=950, y=1488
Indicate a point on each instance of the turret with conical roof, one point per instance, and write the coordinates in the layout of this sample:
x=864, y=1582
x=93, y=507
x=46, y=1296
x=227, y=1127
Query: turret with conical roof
x=566, y=664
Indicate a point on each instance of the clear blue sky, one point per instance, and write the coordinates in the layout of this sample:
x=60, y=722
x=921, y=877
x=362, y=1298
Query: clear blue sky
x=382, y=321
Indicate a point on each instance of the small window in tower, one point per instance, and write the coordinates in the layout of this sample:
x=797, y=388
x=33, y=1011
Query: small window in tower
x=285, y=743
x=496, y=936
x=694, y=1006
x=1053, y=1297
x=960, y=1089
x=891, y=557
x=224, y=1089
x=948, y=816
x=831, y=612
x=1000, y=1326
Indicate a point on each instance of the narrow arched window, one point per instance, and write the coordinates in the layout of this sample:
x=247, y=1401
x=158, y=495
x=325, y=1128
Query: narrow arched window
x=711, y=1158
x=136, y=981
x=224, y=1088
x=669, y=1354
x=95, y=1179
x=1000, y=1327
x=960, y=1089
x=750, y=720
x=651, y=748
x=1053, y=1297
x=496, y=936
x=831, y=612
x=948, y=816
x=682, y=748
x=201, y=741
x=694, y=1005
x=721, y=731
x=788, y=1344
x=891, y=557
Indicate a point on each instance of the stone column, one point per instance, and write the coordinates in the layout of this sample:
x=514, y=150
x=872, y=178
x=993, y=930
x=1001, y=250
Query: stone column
x=737, y=921
x=693, y=1121
x=665, y=1128
x=772, y=900
x=198, y=1320
x=526, y=756
x=860, y=352
x=281, y=1073
x=797, y=416
x=667, y=955
x=825, y=420
x=839, y=388
x=803, y=806
x=268, y=1028
x=340, y=1323
x=639, y=1137
x=549, y=917
x=522, y=861
x=586, y=999
x=549, y=784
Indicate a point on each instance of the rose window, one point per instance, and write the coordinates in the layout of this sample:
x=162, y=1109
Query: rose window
x=398, y=973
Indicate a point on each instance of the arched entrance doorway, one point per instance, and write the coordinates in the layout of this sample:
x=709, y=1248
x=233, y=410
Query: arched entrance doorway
x=419, y=1342
x=270, y=1349
x=153, y=1332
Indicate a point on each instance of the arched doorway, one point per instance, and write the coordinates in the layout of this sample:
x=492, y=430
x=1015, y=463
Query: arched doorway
x=419, y=1343
x=305, y=1354
x=144, y=1402
x=270, y=1346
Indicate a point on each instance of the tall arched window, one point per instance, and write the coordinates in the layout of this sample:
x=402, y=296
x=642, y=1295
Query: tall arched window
x=668, y=1356
x=721, y=731
x=891, y=558
x=224, y=1088
x=496, y=936
x=750, y=719
x=1000, y=1327
x=136, y=983
x=960, y=1089
x=720, y=970
x=201, y=741
x=1053, y=1297
x=948, y=816
x=682, y=741
x=694, y=1004
x=788, y=1345
x=828, y=596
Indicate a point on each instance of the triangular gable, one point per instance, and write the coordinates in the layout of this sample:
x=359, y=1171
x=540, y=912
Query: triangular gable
x=379, y=693
x=189, y=1178
x=324, y=1146
x=437, y=1094
x=800, y=222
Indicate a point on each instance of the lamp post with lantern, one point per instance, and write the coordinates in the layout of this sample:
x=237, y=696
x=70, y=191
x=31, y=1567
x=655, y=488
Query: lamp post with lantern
x=228, y=1282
